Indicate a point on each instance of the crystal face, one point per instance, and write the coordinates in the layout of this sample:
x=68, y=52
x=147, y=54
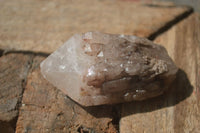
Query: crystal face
x=96, y=68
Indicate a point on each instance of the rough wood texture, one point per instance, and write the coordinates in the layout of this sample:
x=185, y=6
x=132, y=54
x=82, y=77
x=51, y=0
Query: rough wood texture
x=45, y=25
x=13, y=72
x=46, y=109
x=178, y=110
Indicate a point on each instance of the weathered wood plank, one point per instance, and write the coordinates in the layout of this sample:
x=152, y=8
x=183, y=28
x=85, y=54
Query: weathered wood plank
x=186, y=50
x=177, y=110
x=45, y=25
x=46, y=109
x=13, y=72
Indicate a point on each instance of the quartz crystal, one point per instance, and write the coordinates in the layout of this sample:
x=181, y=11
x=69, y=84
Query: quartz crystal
x=96, y=68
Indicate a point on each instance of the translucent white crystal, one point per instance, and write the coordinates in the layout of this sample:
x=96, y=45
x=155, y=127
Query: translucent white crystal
x=96, y=68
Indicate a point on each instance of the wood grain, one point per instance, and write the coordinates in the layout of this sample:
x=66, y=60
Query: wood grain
x=13, y=72
x=178, y=109
x=45, y=25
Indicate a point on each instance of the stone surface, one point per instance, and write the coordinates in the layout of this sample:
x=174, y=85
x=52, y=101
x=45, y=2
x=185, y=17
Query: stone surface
x=43, y=26
x=45, y=109
x=178, y=110
x=96, y=68
x=13, y=72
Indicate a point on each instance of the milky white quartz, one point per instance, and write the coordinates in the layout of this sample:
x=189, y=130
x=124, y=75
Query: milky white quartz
x=96, y=68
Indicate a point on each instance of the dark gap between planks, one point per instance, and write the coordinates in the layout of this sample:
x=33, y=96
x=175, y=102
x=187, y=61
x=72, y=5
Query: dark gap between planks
x=168, y=25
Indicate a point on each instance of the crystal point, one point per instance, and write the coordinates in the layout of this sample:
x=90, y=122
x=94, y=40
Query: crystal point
x=96, y=68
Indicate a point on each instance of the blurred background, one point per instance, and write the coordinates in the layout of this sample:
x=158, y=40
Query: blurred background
x=193, y=3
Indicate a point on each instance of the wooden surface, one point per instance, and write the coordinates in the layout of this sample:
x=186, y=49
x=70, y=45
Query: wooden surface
x=29, y=28
x=178, y=110
x=45, y=25
x=13, y=72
